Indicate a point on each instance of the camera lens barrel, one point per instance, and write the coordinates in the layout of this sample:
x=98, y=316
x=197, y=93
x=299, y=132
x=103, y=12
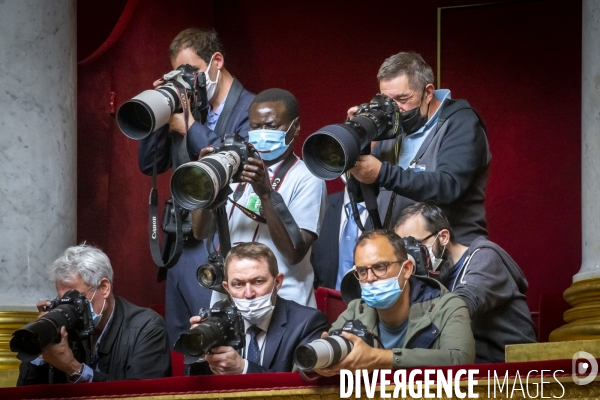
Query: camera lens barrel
x=196, y=184
x=209, y=275
x=31, y=340
x=146, y=112
x=322, y=353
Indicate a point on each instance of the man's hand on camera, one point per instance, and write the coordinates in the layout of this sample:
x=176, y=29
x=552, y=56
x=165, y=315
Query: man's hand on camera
x=255, y=174
x=362, y=356
x=195, y=321
x=366, y=169
x=177, y=122
x=41, y=306
x=225, y=360
x=60, y=355
x=351, y=112
x=205, y=151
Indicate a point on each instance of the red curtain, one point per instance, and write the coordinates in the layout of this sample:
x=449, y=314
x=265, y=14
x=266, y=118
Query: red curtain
x=518, y=64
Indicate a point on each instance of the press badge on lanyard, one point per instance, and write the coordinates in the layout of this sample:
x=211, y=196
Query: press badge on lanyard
x=253, y=203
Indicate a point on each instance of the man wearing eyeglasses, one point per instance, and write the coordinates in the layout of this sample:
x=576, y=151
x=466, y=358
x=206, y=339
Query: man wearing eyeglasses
x=129, y=342
x=418, y=322
x=484, y=275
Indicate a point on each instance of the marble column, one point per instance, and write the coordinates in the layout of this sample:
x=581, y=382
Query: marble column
x=38, y=153
x=583, y=320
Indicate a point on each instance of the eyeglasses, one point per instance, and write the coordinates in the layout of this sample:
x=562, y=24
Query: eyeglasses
x=379, y=269
x=425, y=238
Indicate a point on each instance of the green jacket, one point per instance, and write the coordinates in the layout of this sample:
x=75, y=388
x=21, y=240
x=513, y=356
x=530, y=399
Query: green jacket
x=439, y=326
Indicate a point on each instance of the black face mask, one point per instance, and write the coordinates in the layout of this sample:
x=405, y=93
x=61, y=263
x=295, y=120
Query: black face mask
x=412, y=120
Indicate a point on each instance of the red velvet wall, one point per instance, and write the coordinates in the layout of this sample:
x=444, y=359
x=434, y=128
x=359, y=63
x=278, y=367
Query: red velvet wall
x=328, y=56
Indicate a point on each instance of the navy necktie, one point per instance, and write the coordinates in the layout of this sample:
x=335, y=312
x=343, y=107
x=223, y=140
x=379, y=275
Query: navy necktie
x=347, y=243
x=253, y=349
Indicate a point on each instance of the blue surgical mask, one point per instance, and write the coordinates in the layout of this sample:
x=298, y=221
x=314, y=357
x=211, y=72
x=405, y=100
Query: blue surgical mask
x=382, y=293
x=270, y=143
x=96, y=317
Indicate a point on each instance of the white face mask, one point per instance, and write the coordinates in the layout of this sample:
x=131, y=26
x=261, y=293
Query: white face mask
x=435, y=261
x=211, y=86
x=257, y=309
x=96, y=317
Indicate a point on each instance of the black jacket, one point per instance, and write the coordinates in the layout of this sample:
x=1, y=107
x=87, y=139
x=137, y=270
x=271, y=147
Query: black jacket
x=291, y=325
x=134, y=346
x=493, y=287
x=457, y=159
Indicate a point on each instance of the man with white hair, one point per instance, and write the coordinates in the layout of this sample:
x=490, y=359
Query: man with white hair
x=129, y=342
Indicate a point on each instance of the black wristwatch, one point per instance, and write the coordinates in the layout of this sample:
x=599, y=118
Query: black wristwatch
x=75, y=376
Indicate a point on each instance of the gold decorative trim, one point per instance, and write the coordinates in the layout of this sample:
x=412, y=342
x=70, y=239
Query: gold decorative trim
x=10, y=321
x=566, y=389
x=583, y=320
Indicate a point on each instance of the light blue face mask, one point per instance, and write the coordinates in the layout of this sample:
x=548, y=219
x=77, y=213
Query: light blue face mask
x=382, y=293
x=96, y=317
x=270, y=143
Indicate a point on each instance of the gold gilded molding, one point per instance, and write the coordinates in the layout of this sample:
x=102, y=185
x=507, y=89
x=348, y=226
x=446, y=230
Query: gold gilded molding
x=10, y=321
x=549, y=350
x=583, y=320
x=564, y=390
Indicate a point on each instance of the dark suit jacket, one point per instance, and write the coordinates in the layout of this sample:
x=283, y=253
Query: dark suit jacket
x=134, y=346
x=325, y=250
x=291, y=325
x=198, y=137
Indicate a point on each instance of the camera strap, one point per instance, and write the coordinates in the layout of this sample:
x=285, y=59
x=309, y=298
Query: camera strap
x=288, y=220
x=276, y=181
x=153, y=224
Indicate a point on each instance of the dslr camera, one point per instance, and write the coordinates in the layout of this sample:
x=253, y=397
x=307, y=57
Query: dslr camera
x=197, y=184
x=322, y=353
x=222, y=325
x=212, y=274
x=334, y=149
x=145, y=113
x=71, y=311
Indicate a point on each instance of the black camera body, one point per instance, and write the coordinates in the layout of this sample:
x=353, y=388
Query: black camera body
x=334, y=149
x=384, y=114
x=325, y=352
x=71, y=311
x=196, y=184
x=356, y=328
x=235, y=143
x=420, y=255
x=222, y=325
x=212, y=274
x=185, y=77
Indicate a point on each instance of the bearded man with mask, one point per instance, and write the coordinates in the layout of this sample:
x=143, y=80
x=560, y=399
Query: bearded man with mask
x=177, y=143
x=484, y=275
x=442, y=156
x=274, y=327
x=417, y=321
x=279, y=188
x=129, y=342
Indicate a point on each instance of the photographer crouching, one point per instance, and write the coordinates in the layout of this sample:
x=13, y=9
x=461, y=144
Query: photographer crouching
x=87, y=334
